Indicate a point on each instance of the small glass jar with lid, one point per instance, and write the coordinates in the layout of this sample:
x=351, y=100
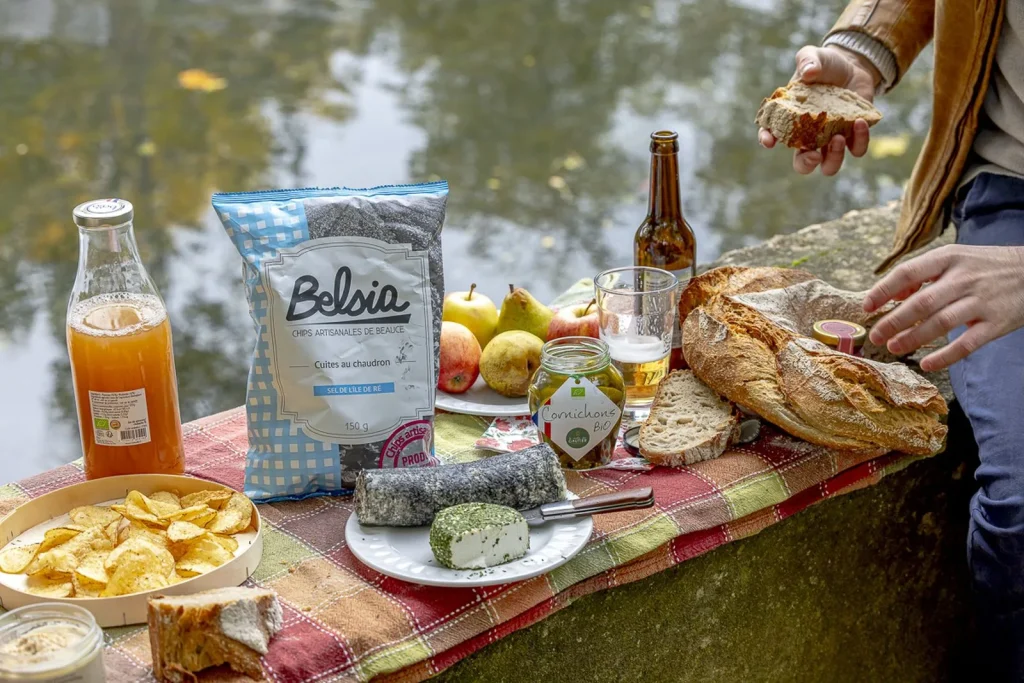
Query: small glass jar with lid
x=841, y=335
x=576, y=401
x=50, y=642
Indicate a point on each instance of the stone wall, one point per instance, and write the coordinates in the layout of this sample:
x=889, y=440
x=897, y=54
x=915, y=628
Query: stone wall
x=867, y=587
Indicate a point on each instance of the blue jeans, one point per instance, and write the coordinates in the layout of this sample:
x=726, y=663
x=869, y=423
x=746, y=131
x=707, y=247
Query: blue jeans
x=989, y=385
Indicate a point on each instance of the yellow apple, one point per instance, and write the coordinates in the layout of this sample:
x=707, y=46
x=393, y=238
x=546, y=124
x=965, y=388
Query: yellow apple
x=475, y=311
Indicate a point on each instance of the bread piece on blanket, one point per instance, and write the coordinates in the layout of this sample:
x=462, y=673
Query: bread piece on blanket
x=233, y=626
x=688, y=423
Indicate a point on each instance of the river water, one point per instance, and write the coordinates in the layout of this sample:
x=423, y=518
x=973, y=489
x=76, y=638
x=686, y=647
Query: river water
x=536, y=112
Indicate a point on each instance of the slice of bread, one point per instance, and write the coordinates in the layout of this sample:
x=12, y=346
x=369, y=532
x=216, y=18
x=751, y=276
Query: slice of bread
x=233, y=626
x=807, y=116
x=688, y=423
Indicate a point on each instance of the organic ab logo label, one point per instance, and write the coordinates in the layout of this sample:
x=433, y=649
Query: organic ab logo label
x=578, y=392
x=578, y=437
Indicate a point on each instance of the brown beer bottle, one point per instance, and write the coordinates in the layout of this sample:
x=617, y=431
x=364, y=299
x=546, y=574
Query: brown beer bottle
x=665, y=240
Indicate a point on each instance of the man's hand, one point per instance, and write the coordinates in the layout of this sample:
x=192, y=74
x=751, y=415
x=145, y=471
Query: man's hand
x=832, y=65
x=981, y=287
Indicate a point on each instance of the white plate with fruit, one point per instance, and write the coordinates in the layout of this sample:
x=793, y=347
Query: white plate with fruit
x=488, y=358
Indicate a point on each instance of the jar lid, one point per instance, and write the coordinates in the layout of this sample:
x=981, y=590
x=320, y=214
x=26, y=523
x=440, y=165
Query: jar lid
x=831, y=332
x=46, y=637
x=101, y=213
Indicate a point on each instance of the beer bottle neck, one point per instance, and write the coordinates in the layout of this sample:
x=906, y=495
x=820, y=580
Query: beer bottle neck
x=664, y=202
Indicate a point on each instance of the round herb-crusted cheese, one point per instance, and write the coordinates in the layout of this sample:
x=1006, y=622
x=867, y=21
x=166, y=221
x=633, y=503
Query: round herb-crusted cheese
x=478, y=535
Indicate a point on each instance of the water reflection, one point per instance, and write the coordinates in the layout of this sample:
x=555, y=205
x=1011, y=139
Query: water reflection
x=536, y=112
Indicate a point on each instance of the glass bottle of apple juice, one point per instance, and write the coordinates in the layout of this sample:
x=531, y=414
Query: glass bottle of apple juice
x=119, y=340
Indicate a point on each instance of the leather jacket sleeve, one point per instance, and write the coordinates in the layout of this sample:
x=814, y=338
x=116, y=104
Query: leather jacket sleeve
x=904, y=26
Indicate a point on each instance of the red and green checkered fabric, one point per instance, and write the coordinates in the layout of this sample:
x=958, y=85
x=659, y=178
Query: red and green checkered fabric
x=346, y=622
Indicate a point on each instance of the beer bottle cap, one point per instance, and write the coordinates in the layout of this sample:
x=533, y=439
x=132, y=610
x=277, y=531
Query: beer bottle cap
x=102, y=213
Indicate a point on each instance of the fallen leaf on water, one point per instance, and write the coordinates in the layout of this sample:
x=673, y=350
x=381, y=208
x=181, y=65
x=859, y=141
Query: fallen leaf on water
x=556, y=182
x=494, y=184
x=889, y=146
x=547, y=241
x=146, y=149
x=201, y=80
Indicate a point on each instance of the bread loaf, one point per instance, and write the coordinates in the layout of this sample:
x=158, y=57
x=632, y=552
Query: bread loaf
x=755, y=349
x=688, y=423
x=807, y=116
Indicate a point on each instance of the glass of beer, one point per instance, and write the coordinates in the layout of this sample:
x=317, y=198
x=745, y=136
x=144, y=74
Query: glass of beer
x=636, y=309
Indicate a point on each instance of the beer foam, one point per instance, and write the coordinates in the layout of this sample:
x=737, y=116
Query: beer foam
x=147, y=310
x=636, y=348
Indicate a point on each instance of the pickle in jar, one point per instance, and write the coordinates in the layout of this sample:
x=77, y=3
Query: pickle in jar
x=576, y=399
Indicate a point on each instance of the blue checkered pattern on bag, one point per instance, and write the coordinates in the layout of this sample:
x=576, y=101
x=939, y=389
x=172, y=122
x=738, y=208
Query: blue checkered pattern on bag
x=282, y=462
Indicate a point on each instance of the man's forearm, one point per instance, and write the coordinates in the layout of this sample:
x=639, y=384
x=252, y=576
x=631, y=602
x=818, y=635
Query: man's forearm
x=889, y=34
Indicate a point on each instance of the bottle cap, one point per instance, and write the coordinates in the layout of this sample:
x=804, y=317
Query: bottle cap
x=840, y=334
x=101, y=213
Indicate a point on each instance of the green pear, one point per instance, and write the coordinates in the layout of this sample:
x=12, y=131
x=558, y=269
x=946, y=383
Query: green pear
x=509, y=361
x=520, y=311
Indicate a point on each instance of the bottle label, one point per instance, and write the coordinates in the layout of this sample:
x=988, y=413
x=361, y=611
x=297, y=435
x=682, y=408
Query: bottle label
x=119, y=418
x=577, y=417
x=350, y=338
x=683, y=276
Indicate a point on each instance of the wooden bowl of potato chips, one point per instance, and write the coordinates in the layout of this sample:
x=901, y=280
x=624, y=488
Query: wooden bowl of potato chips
x=110, y=544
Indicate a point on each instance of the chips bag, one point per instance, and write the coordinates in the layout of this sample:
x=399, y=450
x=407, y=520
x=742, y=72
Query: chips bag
x=345, y=288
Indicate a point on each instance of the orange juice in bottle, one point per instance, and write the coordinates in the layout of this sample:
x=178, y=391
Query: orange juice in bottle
x=119, y=340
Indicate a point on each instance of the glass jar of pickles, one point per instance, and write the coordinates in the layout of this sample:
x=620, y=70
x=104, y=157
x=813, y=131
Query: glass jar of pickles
x=576, y=400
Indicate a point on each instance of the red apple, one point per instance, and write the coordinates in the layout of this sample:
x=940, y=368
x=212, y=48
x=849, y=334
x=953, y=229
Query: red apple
x=575, y=321
x=460, y=358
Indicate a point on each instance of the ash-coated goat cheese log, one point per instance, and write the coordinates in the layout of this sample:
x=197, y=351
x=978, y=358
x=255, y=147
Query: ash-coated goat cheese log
x=412, y=496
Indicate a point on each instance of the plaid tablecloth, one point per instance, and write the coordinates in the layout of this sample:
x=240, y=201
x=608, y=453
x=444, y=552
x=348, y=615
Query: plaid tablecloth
x=345, y=622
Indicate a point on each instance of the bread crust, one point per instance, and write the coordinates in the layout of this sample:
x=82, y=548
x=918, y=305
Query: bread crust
x=804, y=130
x=736, y=280
x=809, y=389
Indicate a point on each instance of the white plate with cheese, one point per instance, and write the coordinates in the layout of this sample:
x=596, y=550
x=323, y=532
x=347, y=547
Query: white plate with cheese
x=404, y=553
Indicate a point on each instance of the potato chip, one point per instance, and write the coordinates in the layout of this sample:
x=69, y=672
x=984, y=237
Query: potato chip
x=14, y=559
x=213, y=499
x=49, y=587
x=233, y=517
x=203, y=556
x=226, y=542
x=84, y=588
x=140, y=508
x=92, y=515
x=136, y=573
x=140, y=546
x=188, y=514
x=179, y=532
x=111, y=529
x=154, y=535
x=155, y=507
x=91, y=568
x=54, y=562
x=58, y=536
x=168, y=497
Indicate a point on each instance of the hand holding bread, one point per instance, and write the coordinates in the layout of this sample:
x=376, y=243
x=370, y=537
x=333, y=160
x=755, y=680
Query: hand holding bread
x=822, y=75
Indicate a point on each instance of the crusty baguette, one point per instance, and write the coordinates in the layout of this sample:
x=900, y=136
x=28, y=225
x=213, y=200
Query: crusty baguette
x=230, y=626
x=807, y=116
x=756, y=350
x=736, y=280
x=688, y=423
